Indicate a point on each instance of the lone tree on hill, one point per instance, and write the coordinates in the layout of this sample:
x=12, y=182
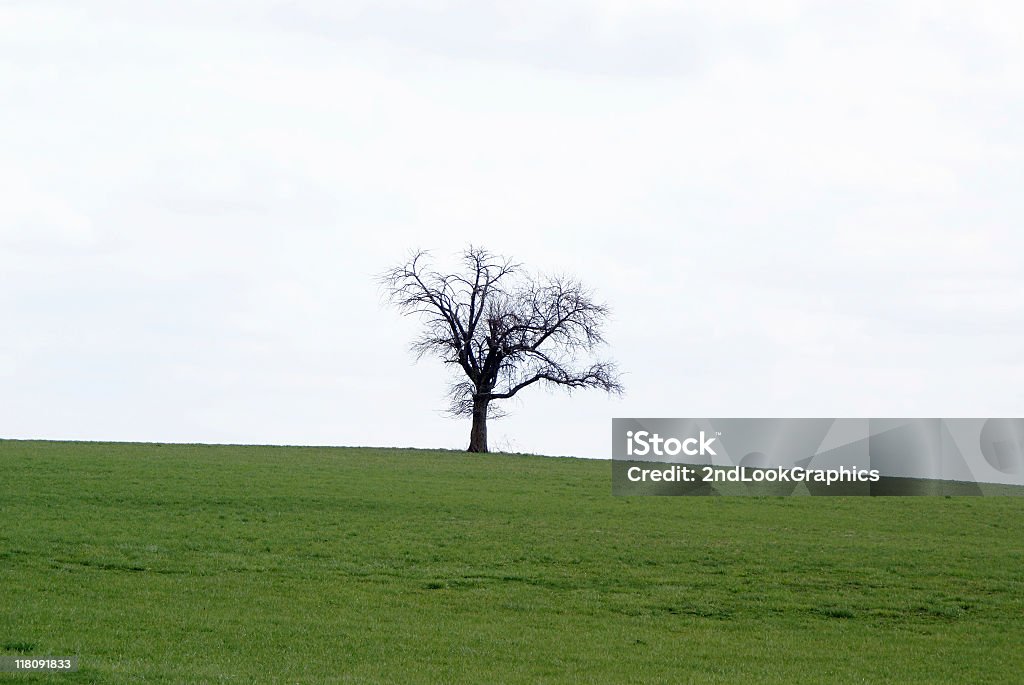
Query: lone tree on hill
x=505, y=329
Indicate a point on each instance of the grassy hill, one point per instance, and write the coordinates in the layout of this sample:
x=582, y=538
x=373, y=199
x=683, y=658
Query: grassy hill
x=183, y=563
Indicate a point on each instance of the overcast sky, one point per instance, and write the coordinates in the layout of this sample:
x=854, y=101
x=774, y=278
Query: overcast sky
x=793, y=209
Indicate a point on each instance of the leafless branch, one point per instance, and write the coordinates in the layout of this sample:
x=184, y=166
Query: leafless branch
x=506, y=329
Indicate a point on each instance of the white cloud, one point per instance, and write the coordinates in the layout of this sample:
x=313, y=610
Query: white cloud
x=793, y=208
x=36, y=220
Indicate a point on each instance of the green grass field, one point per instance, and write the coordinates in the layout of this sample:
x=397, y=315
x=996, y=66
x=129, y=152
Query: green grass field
x=188, y=564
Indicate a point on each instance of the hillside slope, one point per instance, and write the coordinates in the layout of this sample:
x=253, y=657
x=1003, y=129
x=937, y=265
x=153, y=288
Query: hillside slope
x=186, y=563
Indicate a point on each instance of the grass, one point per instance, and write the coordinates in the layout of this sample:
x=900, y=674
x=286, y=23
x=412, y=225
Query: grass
x=191, y=564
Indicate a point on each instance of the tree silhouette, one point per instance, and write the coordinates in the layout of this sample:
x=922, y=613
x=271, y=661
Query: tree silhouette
x=503, y=328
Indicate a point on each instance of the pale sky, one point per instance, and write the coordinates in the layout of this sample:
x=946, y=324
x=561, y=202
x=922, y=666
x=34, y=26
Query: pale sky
x=793, y=209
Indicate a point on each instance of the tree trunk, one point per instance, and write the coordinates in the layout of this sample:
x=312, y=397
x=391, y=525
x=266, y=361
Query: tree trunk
x=478, y=433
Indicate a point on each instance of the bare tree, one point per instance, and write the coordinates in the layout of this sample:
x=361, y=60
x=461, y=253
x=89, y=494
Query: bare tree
x=504, y=330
